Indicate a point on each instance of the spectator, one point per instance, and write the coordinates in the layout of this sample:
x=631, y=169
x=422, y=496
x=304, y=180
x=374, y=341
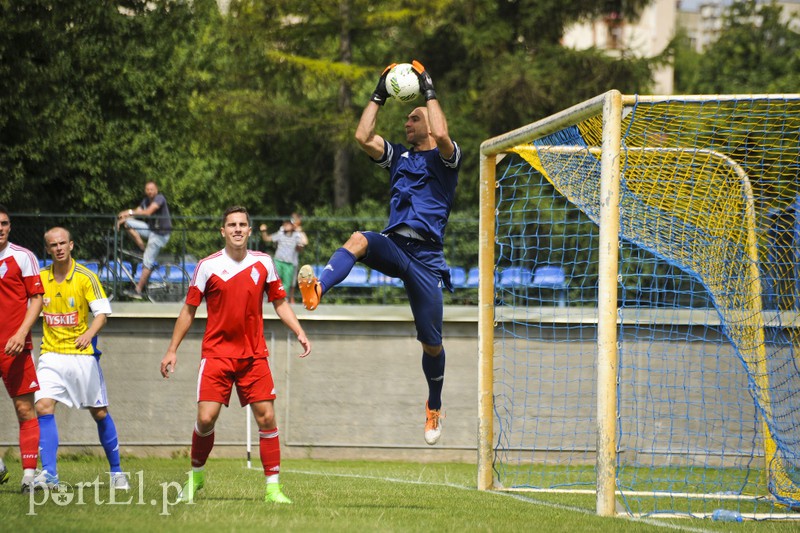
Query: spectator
x=156, y=228
x=21, y=301
x=69, y=370
x=297, y=220
x=289, y=242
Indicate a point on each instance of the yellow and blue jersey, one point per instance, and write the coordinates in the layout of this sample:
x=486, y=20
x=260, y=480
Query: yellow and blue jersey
x=66, y=308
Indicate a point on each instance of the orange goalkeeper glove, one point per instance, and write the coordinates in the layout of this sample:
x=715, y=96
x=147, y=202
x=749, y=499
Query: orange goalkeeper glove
x=425, y=81
x=381, y=94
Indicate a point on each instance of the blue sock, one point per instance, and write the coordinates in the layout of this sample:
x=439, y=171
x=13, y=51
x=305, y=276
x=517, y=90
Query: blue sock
x=48, y=443
x=108, y=438
x=339, y=266
x=433, y=367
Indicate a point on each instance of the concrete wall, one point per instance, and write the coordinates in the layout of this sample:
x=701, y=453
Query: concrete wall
x=360, y=394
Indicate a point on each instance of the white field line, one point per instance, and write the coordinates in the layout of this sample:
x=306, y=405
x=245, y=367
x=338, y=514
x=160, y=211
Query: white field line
x=534, y=501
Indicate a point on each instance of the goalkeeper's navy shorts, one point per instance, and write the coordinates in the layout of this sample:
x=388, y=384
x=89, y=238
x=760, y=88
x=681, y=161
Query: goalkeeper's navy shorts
x=424, y=272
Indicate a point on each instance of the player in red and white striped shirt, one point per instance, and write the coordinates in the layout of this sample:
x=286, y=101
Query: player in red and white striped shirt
x=21, y=301
x=233, y=282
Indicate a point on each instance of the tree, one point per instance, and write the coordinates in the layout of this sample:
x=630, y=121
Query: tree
x=757, y=52
x=258, y=106
x=91, y=101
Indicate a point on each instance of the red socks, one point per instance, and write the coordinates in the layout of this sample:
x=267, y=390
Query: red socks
x=201, y=447
x=269, y=447
x=29, y=442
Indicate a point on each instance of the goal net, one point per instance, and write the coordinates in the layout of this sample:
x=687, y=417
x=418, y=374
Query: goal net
x=659, y=373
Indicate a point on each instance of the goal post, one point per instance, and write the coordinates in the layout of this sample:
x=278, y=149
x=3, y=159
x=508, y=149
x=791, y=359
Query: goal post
x=688, y=197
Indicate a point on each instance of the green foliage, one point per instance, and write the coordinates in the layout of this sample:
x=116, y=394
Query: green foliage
x=757, y=52
x=252, y=107
x=91, y=101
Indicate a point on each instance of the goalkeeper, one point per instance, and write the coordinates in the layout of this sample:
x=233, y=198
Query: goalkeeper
x=423, y=182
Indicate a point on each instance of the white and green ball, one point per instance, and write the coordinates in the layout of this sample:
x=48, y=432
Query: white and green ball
x=402, y=82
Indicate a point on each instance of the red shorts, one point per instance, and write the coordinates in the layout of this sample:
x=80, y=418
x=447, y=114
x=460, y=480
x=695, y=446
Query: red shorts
x=252, y=377
x=19, y=373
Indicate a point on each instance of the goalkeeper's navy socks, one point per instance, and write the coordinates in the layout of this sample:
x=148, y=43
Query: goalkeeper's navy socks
x=338, y=267
x=107, y=431
x=48, y=443
x=433, y=367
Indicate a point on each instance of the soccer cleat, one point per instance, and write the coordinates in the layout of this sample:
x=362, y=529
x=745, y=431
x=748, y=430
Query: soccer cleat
x=197, y=480
x=33, y=482
x=275, y=495
x=433, y=425
x=46, y=479
x=119, y=480
x=309, y=287
x=4, y=475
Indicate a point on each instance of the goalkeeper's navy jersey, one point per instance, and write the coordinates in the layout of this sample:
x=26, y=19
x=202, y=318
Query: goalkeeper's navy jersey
x=423, y=188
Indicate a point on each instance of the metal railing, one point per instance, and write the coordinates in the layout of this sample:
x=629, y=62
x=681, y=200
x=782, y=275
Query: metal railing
x=98, y=240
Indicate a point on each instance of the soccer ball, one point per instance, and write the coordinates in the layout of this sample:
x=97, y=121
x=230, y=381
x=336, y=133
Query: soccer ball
x=402, y=82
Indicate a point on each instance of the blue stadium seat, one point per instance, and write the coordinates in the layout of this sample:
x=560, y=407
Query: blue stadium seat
x=358, y=277
x=158, y=273
x=175, y=274
x=104, y=274
x=514, y=277
x=94, y=266
x=190, y=268
x=113, y=270
x=458, y=276
x=551, y=277
x=379, y=279
x=473, y=278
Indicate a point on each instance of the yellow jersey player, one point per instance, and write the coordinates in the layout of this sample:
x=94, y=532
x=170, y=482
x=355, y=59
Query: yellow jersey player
x=69, y=364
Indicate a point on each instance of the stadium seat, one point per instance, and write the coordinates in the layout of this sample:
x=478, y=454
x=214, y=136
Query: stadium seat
x=379, y=279
x=175, y=274
x=514, y=277
x=104, y=274
x=190, y=268
x=113, y=270
x=458, y=276
x=94, y=266
x=473, y=278
x=358, y=277
x=548, y=276
x=551, y=277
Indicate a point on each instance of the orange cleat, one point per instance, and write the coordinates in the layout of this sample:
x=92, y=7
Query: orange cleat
x=309, y=287
x=433, y=425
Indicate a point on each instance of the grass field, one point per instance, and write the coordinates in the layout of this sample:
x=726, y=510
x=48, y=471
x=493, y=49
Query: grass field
x=328, y=496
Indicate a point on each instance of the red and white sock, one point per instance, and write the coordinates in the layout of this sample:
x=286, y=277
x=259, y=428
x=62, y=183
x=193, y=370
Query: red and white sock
x=269, y=447
x=29, y=442
x=202, y=445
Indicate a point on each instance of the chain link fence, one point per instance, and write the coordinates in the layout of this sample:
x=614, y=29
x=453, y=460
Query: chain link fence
x=99, y=242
